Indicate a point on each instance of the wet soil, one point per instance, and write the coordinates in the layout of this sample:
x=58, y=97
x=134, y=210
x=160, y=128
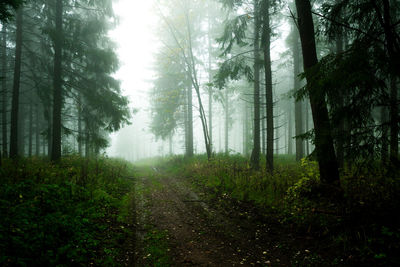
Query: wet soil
x=205, y=230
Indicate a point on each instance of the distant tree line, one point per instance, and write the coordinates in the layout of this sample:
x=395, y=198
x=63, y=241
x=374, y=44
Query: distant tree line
x=57, y=90
x=341, y=107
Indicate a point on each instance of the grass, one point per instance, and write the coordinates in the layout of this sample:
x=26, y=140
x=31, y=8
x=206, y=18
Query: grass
x=233, y=176
x=65, y=214
x=153, y=243
x=360, y=222
x=156, y=248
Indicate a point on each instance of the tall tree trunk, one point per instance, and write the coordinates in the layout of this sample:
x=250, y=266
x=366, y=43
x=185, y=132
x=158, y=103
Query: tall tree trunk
x=4, y=88
x=210, y=118
x=37, y=142
x=394, y=121
x=245, y=129
x=30, y=137
x=189, y=151
x=49, y=134
x=226, y=122
x=170, y=144
x=79, y=106
x=307, y=123
x=87, y=142
x=255, y=155
x=290, y=130
x=263, y=129
x=385, y=132
x=298, y=105
x=21, y=127
x=392, y=46
x=266, y=42
x=57, y=83
x=191, y=64
x=328, y=166
x=277, y=139
x=210, y=100
x=220, y=134
x=186, y=120
x=16, y=85
x=341, y=128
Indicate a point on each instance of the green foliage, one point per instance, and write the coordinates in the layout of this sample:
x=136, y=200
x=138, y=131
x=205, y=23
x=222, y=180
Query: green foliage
x=233, y=177
x=156, y=249
x=7, y=7
x=233, y=69
x=234, y=33
x=359, y=221
x=63, y=214
x=361, y=218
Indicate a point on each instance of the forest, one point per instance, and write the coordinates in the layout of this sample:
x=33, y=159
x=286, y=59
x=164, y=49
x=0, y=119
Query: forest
x=266, y=135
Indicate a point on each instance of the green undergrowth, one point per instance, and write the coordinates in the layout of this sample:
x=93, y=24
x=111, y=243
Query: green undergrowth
x=156, y=248
x=152, y=243
x=75, y=213
x=359, y=223
x=233, y=175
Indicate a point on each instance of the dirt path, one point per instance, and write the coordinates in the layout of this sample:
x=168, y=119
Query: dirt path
x=198, y=232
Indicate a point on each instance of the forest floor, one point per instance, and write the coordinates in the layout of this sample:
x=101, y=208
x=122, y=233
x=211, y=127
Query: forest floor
x=179, y=224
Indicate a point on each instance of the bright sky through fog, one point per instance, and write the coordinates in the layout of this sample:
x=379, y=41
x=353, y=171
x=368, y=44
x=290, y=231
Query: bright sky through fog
x=135, y=43
x=136, y=46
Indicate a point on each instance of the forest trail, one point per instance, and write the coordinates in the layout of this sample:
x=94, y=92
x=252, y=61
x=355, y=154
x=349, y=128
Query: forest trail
x=199, y=232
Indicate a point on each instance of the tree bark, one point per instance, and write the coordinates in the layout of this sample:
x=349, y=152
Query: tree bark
x=307, y=124
x=37, y=142
x=263, y=128
x=290, y=129
x=341, y=128
x=189, y=151
x=30, y=138
x=392, y=46
x=4, y=89
x=385, y=133
x=80, y=138
x=21, y=127
x=298, y=105
x=210, y=100
x=57, y=83
x=226, y=122
x=87, y=141
x=16, y=87
x=255, y=155
x=49, y=133
x=277, y=139
x=266, y=43
x=394, y=120
x=326, y=156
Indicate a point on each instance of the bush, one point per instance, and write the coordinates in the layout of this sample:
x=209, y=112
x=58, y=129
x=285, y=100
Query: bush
x=60, y=214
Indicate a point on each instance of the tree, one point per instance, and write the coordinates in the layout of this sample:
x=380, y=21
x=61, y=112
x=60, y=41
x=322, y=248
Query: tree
x=236, y=65
x=326, y=156
x=266, y=44
x=184, y=35
x=7, y=7
x=4, y=90
x=298, y=103
x=87, y=59
x=16, y=87
x=57, y=81
x=367, y=39
x=255, y=155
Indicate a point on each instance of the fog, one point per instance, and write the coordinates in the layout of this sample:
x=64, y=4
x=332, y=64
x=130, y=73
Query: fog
x=137, y=42
x=199, y=133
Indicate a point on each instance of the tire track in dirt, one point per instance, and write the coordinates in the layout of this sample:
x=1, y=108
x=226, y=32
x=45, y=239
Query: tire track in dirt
x=197, y=235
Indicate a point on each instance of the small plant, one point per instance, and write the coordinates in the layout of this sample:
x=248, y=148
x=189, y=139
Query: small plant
x=66, y=214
